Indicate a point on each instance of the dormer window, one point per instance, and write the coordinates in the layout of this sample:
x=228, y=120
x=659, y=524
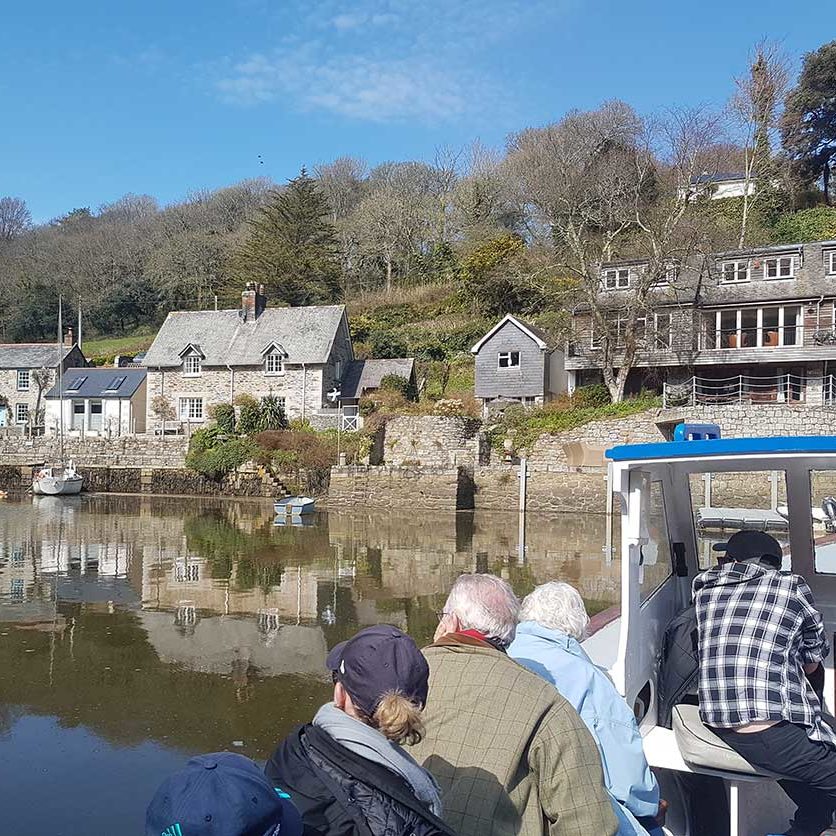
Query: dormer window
x=616, y=278
x=191, y=365
x=732, y=272
x=782, y=267
x=274, y=363
x=830, y=262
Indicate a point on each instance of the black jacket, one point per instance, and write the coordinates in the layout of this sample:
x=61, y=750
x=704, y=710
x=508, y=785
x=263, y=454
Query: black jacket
x=340, y=793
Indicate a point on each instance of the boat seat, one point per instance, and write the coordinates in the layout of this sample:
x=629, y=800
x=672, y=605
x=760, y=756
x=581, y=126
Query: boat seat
x=701, y=747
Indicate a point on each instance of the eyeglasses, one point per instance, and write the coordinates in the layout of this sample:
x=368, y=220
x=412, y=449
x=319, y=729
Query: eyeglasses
x=441, y=613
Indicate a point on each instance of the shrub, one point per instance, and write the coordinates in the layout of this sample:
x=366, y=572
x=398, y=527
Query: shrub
x=817, y=224
x=251, y=419
x=272, y=414
x=402, y=385
x=596, y=394
x=224, y=415
x=163, y=408
x=225, y=457
x=205, y=439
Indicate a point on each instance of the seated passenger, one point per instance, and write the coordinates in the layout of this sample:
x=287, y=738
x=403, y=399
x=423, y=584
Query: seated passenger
x=511, y=755
x=553, y=621
x=759, y=634
x=221, y=793
x=347, y=771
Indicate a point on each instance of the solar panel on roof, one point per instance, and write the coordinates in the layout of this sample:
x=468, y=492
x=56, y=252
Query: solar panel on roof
x=115, y=383
x=76, y=383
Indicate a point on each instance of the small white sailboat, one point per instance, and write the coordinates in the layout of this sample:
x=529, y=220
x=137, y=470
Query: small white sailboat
x=57, y=481
x=60, y=480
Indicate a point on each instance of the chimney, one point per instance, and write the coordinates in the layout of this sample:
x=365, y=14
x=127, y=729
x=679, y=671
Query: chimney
x=68, y=338
x=253, y=302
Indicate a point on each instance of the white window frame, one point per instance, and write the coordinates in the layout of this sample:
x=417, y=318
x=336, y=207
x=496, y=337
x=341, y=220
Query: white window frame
x=187, y=409
x=24, y=380
x=91, y=415
x=830, y=262
x=616, y=278
x=759, y=328
x=738, y=266
x=509, y=357
x=21, y=414
x=777, y=263
x=192, y=366
x=270, y=359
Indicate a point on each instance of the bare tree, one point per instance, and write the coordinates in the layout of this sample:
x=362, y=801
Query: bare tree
x=607, y=185
x=15, y=218
x=342, y=182
x=42, y=378
x=755, y=110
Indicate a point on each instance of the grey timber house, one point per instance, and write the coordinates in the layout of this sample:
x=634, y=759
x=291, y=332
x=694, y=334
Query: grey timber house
x=202, y=358
x=516, y=362
x=754, y=325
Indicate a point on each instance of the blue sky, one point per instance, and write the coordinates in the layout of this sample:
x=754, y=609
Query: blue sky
x=100, y=98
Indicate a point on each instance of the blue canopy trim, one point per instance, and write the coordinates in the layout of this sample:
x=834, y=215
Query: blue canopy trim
x=723, y=447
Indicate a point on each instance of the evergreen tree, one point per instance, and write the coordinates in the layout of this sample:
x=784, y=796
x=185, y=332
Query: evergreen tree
x=808, y=129
x=292, y=246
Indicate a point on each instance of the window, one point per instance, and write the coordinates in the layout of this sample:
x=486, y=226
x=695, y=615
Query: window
x=734, y=271
x=274, y=364
x=191, y=365
x=782, y=267
x=184, y=572
x=191, y=409
x=662, y=331
x=617, y=279
x=21, y=413
x=76, y=383
x=23, y=380
x=830, y=262
x=77, y=421
x=95, y=419
x=115, y=383
x=509, y=359
x=791, y=326
x=755, y=328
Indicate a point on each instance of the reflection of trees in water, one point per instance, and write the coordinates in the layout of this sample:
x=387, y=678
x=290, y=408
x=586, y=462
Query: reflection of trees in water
x=252, y=555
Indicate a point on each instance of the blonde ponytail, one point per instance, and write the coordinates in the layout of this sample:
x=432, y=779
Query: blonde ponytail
x=398, y=719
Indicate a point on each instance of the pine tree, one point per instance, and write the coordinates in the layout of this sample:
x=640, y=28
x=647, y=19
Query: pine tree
x=808, y=129
x=292, y=246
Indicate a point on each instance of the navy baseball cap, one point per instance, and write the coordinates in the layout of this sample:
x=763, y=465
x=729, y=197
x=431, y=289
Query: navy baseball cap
x=377, y=660
x=752, y=545
x=223, y=794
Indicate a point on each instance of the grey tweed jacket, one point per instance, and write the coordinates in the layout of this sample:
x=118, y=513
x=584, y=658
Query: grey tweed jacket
x=509, y=752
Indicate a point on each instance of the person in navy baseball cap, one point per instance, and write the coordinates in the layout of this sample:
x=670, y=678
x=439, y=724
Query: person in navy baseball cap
x=380, y=660
x=222, y=794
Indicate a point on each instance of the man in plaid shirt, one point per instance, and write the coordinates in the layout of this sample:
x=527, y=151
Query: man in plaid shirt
x=761, y=645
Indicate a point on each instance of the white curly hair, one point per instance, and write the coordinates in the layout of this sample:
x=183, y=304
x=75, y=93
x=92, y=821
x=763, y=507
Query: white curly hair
x=558, y=606
x=485, y=603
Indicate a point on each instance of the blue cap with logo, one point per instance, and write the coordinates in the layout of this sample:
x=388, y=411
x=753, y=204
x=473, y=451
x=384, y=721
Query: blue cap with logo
x=377, y=660
x=223, y=794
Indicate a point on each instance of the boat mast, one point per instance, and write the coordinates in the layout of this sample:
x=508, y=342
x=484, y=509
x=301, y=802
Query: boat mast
x=60, y=381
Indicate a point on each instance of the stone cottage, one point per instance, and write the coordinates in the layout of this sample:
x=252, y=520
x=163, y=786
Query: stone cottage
x=27, y=372
x=202, y=358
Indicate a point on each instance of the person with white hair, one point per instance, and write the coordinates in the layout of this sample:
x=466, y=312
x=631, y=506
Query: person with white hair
x=553, y=622
x=510, y=754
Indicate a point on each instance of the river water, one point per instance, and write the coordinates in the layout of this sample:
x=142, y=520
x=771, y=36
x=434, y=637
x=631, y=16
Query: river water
x=137, y=631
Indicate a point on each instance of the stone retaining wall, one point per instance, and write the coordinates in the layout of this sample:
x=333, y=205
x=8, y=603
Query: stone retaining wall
x=759, y=420
x=432, y=441
x=125, y=451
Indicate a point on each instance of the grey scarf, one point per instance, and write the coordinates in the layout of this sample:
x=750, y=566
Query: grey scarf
x=369, y=743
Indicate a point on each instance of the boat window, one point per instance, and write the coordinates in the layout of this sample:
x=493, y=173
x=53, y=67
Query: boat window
x=656, y=553
x=723, y=503
x=823, y=499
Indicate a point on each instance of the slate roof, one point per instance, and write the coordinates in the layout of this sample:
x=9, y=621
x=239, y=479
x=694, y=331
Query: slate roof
x=367, y=374
x=101, y=382
x=717, y=177
x=540, y=336
x=31, y=355
x=306, y=335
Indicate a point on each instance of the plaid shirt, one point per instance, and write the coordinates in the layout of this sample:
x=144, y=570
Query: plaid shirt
x=757, y=629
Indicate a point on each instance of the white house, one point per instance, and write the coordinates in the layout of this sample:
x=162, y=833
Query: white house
x=103, y=401
x=718, y=185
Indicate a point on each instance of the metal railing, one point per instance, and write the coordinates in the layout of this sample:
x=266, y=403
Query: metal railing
x=784, y=388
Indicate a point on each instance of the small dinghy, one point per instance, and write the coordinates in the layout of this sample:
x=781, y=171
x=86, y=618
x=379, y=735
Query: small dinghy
x=294, y=505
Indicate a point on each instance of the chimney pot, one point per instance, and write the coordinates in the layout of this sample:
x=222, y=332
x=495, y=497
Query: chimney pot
x=68, y=338
x=253, y=301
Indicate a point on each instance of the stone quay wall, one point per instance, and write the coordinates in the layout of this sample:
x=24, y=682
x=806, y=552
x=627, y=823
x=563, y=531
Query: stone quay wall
x=759, y=420
x=153, y=480
x=432, y=441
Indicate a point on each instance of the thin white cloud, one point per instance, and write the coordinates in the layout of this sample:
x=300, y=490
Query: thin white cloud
x=388, y=60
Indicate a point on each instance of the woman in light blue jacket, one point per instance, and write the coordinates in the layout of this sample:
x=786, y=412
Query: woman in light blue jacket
x=553, y=621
